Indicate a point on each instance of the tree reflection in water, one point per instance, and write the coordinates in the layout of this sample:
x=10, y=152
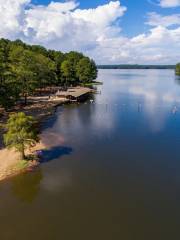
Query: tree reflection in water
x=26, y=186
x=177, y=79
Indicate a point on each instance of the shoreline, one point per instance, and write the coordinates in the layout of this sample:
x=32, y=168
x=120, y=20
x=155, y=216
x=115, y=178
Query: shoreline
x=13, y=171
x=10, y=165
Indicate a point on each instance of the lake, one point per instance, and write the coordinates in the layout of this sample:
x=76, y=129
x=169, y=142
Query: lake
x=112, y=170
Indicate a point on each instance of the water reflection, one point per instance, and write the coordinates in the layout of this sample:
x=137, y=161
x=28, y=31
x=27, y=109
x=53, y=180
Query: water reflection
x=177, y=79
x=57, y=181
x=153, y=91
x=26, y=186
x=147, y=84
x=112, y=168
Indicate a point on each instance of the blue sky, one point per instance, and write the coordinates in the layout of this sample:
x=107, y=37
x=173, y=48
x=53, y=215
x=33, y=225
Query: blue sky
x=110, y=31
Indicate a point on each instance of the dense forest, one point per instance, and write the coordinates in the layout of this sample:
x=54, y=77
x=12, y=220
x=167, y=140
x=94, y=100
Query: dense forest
x=25, y=68
x=178, y=69
x=136, y=66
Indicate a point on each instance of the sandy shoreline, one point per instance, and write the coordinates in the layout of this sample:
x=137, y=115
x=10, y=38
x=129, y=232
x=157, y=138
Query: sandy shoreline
x=9, y=159
x=10, y=163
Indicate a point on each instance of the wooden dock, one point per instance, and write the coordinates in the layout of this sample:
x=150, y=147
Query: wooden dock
x=74, y=93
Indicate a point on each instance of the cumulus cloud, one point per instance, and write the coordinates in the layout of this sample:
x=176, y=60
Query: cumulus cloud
x=64, y=26
x=169, y=3
x=12, y=17
x=155, y=19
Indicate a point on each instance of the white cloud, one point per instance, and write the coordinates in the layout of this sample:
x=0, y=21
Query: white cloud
x=155, y=19
x=65, y=27
x=62, y=26
x=12, y=17
x=169, y=3
x=102, y=15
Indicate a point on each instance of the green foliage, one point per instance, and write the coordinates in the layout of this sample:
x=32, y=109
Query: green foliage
x=44, y=70
x=22, y=164
x=86, y=70
x=21, y=132
x=24, y=68
x=71, y=61
x=67, y=72
x=8, y=93
x=94, y=71
x=23, y=64
x=178, y=69
x=38, y=50
x=57, y=58
x=91, y=84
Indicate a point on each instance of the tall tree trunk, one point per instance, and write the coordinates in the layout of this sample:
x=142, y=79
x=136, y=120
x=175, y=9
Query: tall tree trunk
x=25, y=99
x=22, y=153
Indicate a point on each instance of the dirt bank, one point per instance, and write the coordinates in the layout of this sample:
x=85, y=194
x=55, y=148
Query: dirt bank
x=10, y=163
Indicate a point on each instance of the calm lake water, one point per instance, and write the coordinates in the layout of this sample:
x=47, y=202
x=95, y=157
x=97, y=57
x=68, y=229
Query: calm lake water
x=112, y=170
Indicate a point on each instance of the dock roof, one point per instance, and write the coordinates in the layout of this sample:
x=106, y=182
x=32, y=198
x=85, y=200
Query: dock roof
x=74, y=92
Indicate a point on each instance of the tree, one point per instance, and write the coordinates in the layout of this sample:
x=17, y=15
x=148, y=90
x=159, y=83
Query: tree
x=57, y=57
x=86, y=70
x=67, y=71
x=94, y=70
x=25, y=68
x=21, y=132
x=8, y=88
x=23, y=64
x=178, y=69
x=38, y=49
x=44, y=71
x=73, y=58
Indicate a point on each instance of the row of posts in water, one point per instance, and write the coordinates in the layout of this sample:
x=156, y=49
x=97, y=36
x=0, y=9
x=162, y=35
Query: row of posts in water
x=174, y=109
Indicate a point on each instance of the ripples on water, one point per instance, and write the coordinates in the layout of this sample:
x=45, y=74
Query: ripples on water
x=112, y=170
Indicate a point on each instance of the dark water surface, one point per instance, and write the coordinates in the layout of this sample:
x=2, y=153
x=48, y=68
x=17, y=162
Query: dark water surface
x=112, y=170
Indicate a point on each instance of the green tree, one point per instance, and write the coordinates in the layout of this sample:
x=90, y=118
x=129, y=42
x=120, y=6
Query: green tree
x=23, y=64
x=86, y=70
x=94, y=70
x=44, y=70
x=38, y=49
x=57, y=58
x=73, y=58
x=21, y=132
x=8, y=88
x=178, y=69
x=67, y=72
x=24, y=68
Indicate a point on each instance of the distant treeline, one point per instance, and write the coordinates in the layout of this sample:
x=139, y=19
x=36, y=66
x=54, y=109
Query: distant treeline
x=136, y=66
x=25, y=68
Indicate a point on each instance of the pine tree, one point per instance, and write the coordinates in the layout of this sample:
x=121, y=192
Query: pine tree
x=21, y=132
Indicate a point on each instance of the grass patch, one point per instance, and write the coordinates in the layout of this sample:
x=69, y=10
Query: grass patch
x=22, y=164
x=90, y=84
x=31, y=157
